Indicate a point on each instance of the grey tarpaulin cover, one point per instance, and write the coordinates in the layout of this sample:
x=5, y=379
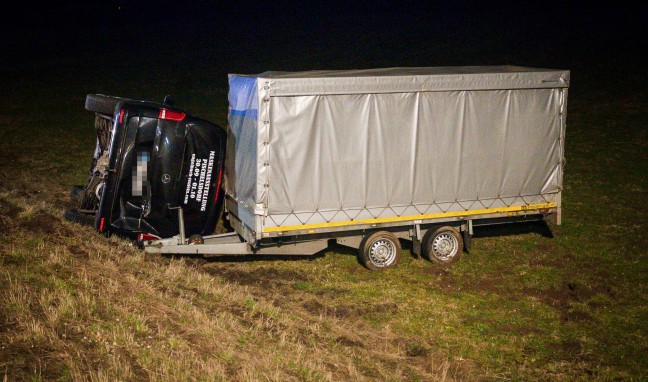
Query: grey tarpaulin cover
x=320, y=147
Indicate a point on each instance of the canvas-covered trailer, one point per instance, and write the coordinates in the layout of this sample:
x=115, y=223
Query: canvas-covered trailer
x=368, y=156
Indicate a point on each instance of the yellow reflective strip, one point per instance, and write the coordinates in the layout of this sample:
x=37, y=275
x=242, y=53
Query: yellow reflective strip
x=411, y=217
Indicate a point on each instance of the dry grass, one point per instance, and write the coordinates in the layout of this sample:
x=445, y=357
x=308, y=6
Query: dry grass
x=79, y=307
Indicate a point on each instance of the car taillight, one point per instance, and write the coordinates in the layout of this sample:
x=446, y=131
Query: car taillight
x=220, y=177
x=147, y=237
x=171, y=115
x=121, y=116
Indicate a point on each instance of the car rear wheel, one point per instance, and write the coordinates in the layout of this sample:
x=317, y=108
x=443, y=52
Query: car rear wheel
x=103, y=104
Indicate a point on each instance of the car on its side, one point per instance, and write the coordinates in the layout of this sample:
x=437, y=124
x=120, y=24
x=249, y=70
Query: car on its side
x=150, y=159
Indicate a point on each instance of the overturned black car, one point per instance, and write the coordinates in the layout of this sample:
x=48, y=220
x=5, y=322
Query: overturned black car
x=150, y=160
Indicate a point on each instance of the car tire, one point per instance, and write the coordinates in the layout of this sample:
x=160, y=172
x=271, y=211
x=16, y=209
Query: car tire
x=103, y=104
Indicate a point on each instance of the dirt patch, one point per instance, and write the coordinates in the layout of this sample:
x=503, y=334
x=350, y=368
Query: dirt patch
x=436, y=271
x=488, y=283
x=9, y=210
x=578, y=292
x=560, y=298
x=346, y=341
x=27, y=193
x=448, y=282
x=330, y=291
x=193, y=291
x=527, y=330
x=41, y=222
x=306, y=335
x=5, y=225
x=416, y=349
x=546, y=255
x=575, y=316
x=568, y=348
x=8, y=215
x=353, y=269
x=314, y=307
x=264, y=277
x=78, y=252
x=545, y=248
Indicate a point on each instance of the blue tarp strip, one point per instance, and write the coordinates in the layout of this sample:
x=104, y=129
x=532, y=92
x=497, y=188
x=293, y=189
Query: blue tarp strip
x=243, y=93
x=250, y=113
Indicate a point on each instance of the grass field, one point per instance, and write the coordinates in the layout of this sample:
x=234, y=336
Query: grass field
x=520, y=306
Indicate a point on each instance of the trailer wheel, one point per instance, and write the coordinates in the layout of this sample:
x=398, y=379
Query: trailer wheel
x=442, y=245
x=379, y=250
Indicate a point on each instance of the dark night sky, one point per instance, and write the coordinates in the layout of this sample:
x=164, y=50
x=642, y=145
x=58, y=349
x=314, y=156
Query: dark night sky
x=247, y=37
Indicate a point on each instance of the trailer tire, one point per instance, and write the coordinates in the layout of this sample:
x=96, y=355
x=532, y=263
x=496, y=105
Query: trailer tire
x=379, y=250
x=103, y=104
x=442, y=245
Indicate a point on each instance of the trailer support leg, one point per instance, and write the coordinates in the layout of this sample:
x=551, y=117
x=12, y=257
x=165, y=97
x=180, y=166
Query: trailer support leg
x=416, y=246
x=467, y=234
x=416, y=239
x=181, y=226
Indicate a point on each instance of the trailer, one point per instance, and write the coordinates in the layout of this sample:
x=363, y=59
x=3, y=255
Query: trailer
x=365, y=158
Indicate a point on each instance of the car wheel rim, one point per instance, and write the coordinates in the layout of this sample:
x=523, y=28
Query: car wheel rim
x=382, y=253
x=445, y=246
